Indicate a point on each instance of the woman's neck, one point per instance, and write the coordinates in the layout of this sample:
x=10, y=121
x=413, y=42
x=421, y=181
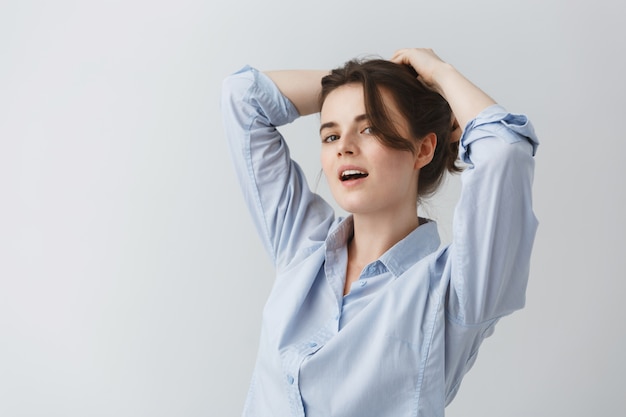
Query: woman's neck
x=375, y=234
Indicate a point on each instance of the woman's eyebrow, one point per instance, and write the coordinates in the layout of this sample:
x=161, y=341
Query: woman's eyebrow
x=328, y=125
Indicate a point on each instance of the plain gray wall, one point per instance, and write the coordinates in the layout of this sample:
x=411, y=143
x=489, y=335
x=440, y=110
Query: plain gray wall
x=131, y=280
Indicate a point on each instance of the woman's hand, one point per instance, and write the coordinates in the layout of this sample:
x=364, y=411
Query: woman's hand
x=424, y=61
x=465, y=99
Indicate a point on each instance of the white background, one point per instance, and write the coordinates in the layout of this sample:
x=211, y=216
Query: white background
x=131, y=279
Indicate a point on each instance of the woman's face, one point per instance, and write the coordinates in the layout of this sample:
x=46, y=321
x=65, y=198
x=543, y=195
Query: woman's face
x=365, y=176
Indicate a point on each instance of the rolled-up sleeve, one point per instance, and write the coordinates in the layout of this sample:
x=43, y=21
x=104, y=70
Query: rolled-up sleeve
x=494, y=224
x=285, y=212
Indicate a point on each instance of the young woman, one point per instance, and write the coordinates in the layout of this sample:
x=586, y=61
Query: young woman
x=368, y=316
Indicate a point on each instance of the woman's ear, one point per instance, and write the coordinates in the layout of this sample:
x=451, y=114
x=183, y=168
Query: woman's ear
x=425, y=150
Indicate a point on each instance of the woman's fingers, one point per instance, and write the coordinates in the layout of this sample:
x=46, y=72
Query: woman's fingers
x=423, y=60
x=455, y=134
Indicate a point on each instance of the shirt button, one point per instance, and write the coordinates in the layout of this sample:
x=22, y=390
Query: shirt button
x=362, y=283
x=312, y=344
x=290, y=379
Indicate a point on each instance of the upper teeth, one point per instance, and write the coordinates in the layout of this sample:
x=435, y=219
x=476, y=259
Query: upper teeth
x=351, y=172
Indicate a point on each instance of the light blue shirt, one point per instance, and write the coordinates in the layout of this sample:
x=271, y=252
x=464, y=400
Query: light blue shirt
x=401, y=341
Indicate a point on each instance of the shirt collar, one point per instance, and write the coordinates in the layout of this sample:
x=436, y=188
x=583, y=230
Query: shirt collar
x=339, y=235
x=418, y=244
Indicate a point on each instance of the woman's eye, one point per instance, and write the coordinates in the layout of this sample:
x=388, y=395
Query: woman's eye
x=330, y=138
x=368, y=131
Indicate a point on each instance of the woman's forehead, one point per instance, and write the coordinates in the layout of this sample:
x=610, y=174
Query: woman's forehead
x=343, y=101
x=348, y=101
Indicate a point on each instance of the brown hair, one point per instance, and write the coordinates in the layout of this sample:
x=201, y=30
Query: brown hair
x=424, y=110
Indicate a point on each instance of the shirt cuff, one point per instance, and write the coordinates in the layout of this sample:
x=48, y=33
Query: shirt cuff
x=517, y=125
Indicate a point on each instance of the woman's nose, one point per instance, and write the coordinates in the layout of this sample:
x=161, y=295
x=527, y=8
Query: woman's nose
x=347, y=145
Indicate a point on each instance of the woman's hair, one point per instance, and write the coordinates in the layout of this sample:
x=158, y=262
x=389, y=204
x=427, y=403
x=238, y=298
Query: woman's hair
x=424, y=110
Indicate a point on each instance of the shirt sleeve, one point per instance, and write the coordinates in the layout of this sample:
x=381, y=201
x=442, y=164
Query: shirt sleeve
x=494, y=224
x=286, y=213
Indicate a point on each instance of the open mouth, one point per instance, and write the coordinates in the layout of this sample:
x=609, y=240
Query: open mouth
x=352, y=174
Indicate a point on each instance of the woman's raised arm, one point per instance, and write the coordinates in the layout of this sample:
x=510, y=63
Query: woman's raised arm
x=494, y=224
x=301, y=87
